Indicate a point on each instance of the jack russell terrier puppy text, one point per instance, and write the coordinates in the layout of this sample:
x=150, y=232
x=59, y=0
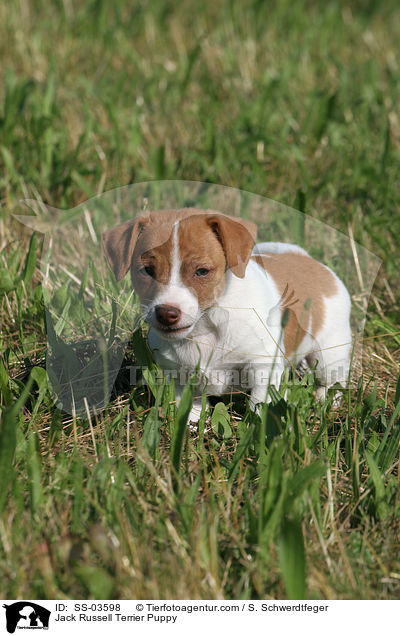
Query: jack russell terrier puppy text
x=218, y=303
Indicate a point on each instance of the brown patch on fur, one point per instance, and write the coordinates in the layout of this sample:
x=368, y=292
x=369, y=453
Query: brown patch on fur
x=211, y=240
x=146, y=232
x=119, y=243
x=302, y=282
x=237, y=238
x=151, y=268
x=199, y=248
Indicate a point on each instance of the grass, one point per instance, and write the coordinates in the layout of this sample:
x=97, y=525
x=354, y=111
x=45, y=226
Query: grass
x=297, y=102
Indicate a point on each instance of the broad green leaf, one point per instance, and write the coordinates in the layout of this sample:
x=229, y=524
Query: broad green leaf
x=7, y=283
x=220, y=421
x=98, y=582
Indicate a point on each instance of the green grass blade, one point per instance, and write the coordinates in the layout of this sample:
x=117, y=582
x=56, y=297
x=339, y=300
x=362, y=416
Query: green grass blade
x=380, y=504
x=292, y=559
x=180, y=427
x=240, y=452
x=303, y=478
x=8, y=440
x=35, y=474
x=31, y=259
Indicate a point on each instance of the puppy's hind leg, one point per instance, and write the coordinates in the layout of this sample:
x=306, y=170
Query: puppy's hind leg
x=331, y=365
x=264, y=377
x=330, y=355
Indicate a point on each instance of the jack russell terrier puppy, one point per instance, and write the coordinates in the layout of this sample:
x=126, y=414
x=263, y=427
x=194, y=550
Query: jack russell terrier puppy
x=219, y=304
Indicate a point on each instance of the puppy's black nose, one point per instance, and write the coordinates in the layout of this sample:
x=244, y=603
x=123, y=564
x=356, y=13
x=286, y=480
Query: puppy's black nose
x=167, y=315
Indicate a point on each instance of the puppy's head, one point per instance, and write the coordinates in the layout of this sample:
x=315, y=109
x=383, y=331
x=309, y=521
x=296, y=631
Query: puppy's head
x=178, y=261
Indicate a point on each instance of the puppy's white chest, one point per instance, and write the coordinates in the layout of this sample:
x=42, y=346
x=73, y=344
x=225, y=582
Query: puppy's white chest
x=228, y=339
x=198, y=349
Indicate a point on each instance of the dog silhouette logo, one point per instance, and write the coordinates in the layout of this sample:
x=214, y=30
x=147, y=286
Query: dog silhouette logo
x=26, y=615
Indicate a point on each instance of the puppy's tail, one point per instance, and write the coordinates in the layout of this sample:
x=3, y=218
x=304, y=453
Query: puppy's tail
x=278, y=248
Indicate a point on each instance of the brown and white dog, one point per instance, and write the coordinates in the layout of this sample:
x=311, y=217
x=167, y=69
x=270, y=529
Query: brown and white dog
x=217, y=302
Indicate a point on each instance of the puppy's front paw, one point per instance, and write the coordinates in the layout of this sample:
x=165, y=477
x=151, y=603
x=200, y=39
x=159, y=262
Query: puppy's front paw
x=321, y=394
x=195, y=412
x=255, y=407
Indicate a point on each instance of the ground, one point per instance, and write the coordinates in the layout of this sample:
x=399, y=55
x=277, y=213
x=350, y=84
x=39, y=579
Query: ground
x=296, y=101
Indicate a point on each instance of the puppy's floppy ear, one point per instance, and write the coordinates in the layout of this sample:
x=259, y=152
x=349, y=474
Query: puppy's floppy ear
x=237, y=237
x=119, y=243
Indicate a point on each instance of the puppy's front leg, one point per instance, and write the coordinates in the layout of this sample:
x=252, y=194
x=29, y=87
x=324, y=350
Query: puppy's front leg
x=262, y=378
x=195, y=411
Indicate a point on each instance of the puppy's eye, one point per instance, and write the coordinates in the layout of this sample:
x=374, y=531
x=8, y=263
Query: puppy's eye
x=149, y=270
x=202, y=271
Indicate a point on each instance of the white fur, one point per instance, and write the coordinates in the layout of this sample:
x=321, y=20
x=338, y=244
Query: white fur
x=278, y=248
x=177, y=294
x=241, y=334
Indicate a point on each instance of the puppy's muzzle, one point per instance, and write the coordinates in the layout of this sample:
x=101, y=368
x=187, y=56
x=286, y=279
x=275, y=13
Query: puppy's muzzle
x=167, y=315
